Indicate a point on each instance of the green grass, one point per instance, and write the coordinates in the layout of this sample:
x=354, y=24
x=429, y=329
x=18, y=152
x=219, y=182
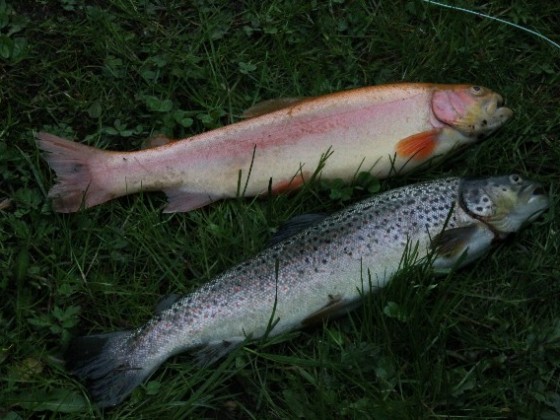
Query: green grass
x=481, y=343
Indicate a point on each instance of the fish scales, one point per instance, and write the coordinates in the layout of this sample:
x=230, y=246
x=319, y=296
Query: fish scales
x=320, y=271
x=316, y=258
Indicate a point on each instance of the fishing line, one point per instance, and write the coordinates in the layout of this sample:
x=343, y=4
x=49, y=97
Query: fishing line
x=473, y=12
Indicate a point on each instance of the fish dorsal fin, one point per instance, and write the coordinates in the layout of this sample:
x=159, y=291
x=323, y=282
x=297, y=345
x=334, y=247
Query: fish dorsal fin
x=294, y=225
x=156, y=141
x=270, y=105
x=166, y=302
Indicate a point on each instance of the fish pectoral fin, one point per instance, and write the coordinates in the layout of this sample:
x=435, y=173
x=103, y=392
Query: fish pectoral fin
x=215, y=350
x=166, y=302
x=451, y=243
x=418, y=146
x=336, y=306
x=270, y=105
x=180, y=200
x=294, y=225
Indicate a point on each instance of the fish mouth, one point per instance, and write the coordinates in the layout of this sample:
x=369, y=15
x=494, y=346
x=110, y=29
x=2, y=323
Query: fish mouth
x=537, y=199
x=490, y=115
x=496, y=110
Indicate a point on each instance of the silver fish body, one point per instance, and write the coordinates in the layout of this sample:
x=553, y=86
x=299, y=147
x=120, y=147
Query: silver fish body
x=316, y=272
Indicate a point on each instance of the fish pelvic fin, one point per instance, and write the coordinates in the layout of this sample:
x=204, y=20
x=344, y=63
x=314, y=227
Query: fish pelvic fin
x=75, y=187
x=107, y=365
x=418, y=146
x=335, y=306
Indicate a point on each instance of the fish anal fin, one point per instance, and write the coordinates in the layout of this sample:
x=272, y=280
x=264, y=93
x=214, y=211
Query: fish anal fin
x=215, y=350
x=418, y=146
x=336, y=306
x=180, y=200
x=270, y=105
x=294, y=225
x=451, y=243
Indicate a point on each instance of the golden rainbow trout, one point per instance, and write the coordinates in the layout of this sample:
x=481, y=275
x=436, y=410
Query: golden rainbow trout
x=312, y=272
x=384, y=130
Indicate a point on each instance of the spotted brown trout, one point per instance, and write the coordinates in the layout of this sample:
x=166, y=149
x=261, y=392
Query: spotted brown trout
x=313, y=272
x=384, y=130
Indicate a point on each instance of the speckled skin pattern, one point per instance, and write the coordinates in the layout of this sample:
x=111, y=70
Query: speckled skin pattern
x=321, y=270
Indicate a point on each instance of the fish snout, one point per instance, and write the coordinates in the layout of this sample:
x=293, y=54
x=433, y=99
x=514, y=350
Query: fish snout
x=535, y=191
x=496, y=113
x=494, y=102
x=499, y=100
x=536, y=197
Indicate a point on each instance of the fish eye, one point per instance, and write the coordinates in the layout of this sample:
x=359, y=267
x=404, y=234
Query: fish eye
x=477, y=90
x=515, y=179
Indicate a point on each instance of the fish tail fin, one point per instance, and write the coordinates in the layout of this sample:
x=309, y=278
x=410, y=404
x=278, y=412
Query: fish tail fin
x=75, y=187
x=108, y=365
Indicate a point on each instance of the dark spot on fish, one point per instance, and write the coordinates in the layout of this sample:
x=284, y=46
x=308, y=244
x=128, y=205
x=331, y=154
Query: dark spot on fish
x=124, y=159
x=484, y=122
x=77, y=168
x=479, y=208
x=324, y=261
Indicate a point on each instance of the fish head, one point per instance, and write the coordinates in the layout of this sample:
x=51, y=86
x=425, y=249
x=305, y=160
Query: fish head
x=475, y=111
x=504, y=203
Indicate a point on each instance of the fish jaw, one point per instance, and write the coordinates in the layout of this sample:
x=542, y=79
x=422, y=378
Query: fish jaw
x=474, y=111
x=504, y=203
